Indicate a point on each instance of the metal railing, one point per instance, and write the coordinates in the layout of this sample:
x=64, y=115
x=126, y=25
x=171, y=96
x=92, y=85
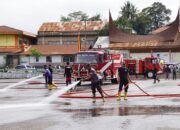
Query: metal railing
x=14, y=74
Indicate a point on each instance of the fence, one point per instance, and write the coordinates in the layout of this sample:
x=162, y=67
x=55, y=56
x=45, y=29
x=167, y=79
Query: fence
x=18, y=74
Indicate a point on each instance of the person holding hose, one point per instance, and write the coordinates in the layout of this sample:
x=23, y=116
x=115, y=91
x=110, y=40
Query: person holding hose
x=124, y=79
x=95, y=82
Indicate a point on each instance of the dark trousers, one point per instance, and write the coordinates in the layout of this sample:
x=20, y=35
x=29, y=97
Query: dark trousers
x=155, y=78
x=46, y=81
x=49, y=80
x=123, y=83
x=167, y=75
x=96, y=85
x=174, y=76
x=68, y=80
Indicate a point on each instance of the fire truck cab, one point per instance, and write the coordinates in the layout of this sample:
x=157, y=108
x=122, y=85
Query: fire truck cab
x=101, y=60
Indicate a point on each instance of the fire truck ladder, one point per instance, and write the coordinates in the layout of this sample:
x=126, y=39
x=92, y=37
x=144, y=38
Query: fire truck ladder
x=105, y=67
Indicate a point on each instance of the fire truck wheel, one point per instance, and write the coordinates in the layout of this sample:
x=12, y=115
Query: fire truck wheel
x=150, y=74
x=114, y=81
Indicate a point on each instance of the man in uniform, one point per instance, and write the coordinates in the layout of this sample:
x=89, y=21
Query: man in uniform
x=124, y=79
x=67, y=73
x=95, y=83
x=155, y=74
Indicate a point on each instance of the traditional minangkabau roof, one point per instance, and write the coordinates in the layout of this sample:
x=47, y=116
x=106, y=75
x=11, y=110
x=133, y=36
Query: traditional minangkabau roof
x=72, y=26
x=123, y=40
x=13, y=31
x=54, y=49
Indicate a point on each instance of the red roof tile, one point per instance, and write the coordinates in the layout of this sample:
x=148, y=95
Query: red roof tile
x=72, y=26
x=54, y=49
x=9, y=50
x=9, y=30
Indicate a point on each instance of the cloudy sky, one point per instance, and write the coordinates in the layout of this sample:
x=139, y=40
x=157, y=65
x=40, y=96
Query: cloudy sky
x=28, y=15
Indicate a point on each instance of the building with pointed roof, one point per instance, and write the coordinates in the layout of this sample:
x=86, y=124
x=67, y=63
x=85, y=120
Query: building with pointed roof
x=164, y=41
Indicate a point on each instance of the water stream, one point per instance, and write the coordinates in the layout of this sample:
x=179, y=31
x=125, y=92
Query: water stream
x=18, y=83
x=44, y=102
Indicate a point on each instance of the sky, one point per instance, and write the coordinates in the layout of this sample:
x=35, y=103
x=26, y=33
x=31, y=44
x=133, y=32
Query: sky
x=29, y=15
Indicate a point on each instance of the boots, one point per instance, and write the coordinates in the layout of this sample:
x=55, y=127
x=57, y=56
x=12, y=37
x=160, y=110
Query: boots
x=94, y=100
x=125, y=95
x=119, y=97
x=54, y=85
x=103, y=99
x=50, y=86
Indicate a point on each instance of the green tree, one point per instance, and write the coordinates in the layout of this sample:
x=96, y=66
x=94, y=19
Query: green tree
x=104, y=31
x=128, y=11
x=124, y=24
x=128, y=14
x=65, y=19
x=142, y=24
x=35, y=52
x=75, y=16
x=96, y=17
x=158, y=14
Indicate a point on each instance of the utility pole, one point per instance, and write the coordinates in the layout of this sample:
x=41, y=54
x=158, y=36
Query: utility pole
x=85, y=34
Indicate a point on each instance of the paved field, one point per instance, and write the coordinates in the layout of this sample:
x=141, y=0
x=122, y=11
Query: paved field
x=22, y=107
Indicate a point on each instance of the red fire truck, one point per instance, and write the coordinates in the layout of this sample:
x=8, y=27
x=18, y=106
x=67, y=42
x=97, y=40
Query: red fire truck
x=107, y=64
x=138, y=67
x=102, y=61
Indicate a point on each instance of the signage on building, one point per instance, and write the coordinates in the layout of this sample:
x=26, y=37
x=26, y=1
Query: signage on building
x=144, y=44
x=162, y=56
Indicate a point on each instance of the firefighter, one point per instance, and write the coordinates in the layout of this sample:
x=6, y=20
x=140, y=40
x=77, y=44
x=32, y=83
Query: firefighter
x=45, y=76
x=95, y=82
x=67, y=73
x=155, y=74
x=51, y=70
x=48, y=75
x=124, y=79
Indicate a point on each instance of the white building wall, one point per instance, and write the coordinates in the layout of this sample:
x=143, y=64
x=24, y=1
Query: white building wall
x=57, y=59
x=175, y=57
x=32, y=60
x=2, y=60
x=42, y=59
x=24, y=60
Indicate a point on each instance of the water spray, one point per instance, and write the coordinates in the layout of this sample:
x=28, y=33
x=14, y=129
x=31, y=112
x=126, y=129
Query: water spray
x=44, y=102
x=59, y=93
x=19, y=83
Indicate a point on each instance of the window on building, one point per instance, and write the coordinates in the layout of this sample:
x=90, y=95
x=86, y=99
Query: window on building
x=68, y=59
x=37, y=59
x=48, y=59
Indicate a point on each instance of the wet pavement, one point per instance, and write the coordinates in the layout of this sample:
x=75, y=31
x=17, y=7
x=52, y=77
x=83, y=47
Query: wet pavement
x=21, y=107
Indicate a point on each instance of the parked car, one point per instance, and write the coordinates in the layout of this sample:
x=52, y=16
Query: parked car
x=26, y=68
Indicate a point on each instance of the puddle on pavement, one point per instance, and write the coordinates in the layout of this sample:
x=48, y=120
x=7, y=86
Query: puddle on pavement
x=123, y=111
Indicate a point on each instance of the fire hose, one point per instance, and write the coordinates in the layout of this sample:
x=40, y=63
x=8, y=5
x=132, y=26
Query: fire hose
x=69, y=95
